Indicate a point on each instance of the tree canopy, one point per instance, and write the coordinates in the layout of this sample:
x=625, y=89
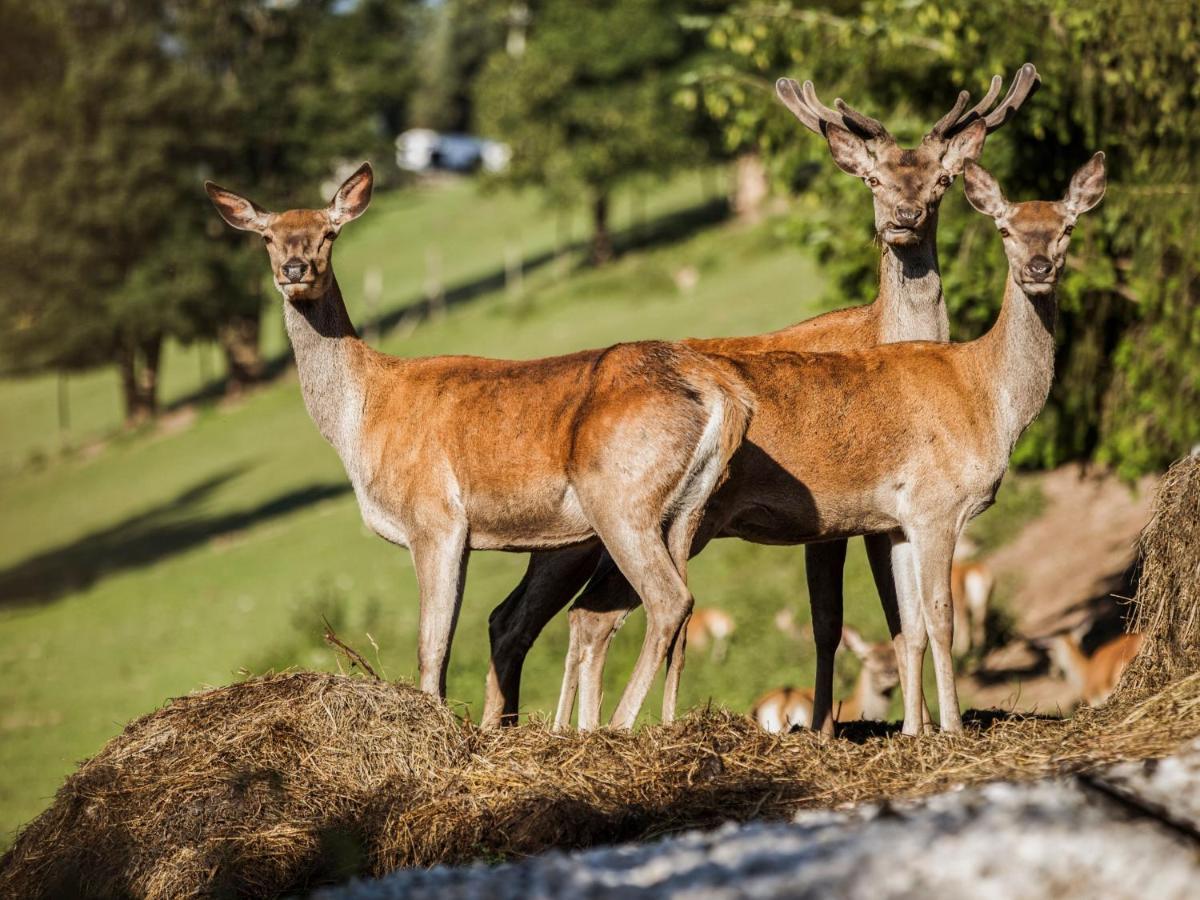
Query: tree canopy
x=1117, y=75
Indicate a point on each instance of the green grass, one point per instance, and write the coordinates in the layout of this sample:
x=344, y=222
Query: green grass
x=171, y=562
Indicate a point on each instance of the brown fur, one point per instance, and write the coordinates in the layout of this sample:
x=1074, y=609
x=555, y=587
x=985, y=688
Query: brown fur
x=910, y=439
x=450, y=454
x=878, y=677
x=909, y=306
x=1095, y=677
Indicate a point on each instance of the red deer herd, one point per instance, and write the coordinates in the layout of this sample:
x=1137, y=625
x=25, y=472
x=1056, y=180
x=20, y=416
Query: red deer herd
x=613, y=467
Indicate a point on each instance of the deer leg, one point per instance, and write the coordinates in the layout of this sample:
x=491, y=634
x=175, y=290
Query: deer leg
x=913, y=637
x=823, y=567
x=551, y=580
x=594, y=619
x=933, y=551
x=441, y=564
x=651, y=571
x=879, y=555
x=683, y=543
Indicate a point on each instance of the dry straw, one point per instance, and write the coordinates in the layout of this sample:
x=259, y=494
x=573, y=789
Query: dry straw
x=277, y=784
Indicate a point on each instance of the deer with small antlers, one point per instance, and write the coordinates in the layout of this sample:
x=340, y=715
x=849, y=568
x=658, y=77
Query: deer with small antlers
x=910, y=439
x=450, y=454
x=785, y=708
x=907, y=187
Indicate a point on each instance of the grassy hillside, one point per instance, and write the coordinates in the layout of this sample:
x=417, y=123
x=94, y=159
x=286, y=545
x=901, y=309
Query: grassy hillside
x=171, y=561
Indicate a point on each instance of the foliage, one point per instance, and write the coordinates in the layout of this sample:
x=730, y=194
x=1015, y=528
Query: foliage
x=126, y=107
x=588, y=105
x=1116, y=75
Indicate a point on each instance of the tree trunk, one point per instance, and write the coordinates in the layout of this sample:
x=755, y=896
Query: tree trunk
x=138, y=364
x=136, y=413
x=750, y=187
x=148, y=375
x=602, y=249
x=239, y=339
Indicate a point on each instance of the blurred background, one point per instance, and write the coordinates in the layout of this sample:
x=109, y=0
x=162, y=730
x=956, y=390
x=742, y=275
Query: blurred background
x=551, y=175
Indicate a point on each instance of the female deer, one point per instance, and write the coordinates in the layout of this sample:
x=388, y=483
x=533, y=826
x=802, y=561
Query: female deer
x=907, y=187
x=450, y=454
x=910, y=439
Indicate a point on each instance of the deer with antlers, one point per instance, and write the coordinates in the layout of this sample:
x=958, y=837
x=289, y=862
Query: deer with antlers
x=450, y=454
x=907, y=187
x=909, y=439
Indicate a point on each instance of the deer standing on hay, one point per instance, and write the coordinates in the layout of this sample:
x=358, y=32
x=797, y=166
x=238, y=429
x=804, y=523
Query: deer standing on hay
x=451, y=454
x=785, y=708
x=1093, y=677
x=910, y=439
x=907, y=187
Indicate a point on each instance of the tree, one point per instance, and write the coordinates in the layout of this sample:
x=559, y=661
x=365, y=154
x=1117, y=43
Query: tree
x=298, y=87
x=589, y=103
x=98, y=154
x=1117, y=75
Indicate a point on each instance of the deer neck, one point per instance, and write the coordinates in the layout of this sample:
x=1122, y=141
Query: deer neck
x=326, y=347
x=1018, y=359
x=910, y=305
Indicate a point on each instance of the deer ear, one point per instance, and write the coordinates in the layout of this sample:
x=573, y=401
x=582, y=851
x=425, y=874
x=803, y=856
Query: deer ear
x=855, y=642
x=967, y=144
x=243, y=214
x=352, y=197
x=849, y=151
x=983, y=191
x=1087, y=186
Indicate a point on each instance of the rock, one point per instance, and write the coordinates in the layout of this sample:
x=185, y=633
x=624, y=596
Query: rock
x=1100, y=835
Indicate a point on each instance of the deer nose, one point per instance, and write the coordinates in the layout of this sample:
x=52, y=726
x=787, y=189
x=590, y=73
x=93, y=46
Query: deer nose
x=908, y=216
x=1039, y=267
x=294, y=269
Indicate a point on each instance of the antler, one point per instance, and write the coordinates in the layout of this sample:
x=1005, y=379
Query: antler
x=804, y=103
x=1022, y=88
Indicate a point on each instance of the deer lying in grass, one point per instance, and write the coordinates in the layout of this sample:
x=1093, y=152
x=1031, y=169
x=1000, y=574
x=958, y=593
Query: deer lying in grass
x=1094, y=677
x=785, y=708
x=450, y=454
x=710, y=627
x=910, y=439
x=907, y=187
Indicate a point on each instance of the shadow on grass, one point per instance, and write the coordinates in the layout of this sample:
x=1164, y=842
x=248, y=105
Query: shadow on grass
x=144, y=539
x=659, y=232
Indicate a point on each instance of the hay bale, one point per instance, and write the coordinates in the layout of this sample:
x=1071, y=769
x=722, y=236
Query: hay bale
x=279, y=784
x=1167, y=605
x=252, y=790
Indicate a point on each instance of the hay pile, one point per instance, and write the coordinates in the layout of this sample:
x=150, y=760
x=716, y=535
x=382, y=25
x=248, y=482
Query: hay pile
x=282, y=783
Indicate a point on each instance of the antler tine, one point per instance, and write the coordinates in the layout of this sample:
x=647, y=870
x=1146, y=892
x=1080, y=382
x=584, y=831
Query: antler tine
x=822, y=111
x=1023, y=86
x=980, y=108
x=952, y=117
x=870, y=127
x=788, y=92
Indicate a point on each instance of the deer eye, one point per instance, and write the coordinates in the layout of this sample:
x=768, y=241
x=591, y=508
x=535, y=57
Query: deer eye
x=873, y=181
x=1068, y=229
x=330, y=235
x=1004, y=232
x=945, y=180
x=266, y=238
